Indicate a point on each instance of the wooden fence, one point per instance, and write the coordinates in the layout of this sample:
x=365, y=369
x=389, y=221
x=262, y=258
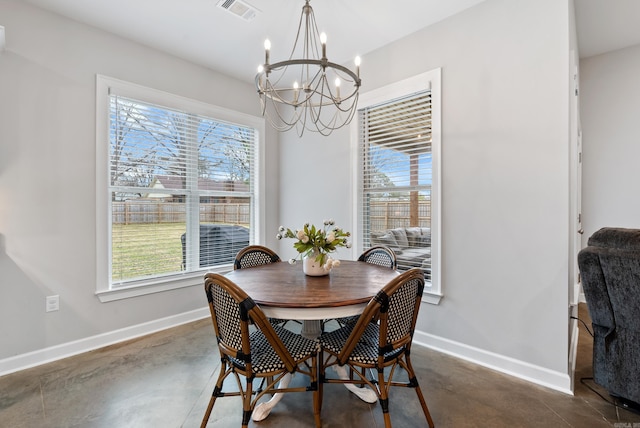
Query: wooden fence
x=390, y=214
x=136, y=212
x=382, y=214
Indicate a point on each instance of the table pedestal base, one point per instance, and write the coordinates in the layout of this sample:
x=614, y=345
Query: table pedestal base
x=311, y=329
x=262, y=410
x=365, y=393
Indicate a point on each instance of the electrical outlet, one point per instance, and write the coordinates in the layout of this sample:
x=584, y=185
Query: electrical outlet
x=53, y=303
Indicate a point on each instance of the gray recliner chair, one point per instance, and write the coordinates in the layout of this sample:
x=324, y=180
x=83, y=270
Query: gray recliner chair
x=610, y=271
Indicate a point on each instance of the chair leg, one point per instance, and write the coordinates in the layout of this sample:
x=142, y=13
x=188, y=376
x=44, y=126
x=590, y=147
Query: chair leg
x=363, y=372
x=384, y=398
x=207, y=414
x=364, y=375
x=321, y=372
x=316, y=391
x=269, y=381
x=423, y=403
x=413, y=380
x=216, y=392
x=387, y=419
x=246, y=404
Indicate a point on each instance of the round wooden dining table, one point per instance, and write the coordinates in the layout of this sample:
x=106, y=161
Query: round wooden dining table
x=284, y=291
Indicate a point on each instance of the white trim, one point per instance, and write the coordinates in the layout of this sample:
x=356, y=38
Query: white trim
x=158, y=285
x=356, y=191
x=558, y=381
x=573, y=348
x=150, y=95
x=259, y=221
x=430, y=297
x=64, y=350
x=2, y=38
x=435, y=79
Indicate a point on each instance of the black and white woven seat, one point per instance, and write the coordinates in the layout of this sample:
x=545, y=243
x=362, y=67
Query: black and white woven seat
x=379, y=345
x=263, y=356
x=266, y=359
x=364, y=352
x=257, y=255
x=380, y=256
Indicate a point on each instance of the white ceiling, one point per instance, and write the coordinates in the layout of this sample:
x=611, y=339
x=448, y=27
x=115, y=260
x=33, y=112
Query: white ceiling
x=606, y=25
x=201, y=32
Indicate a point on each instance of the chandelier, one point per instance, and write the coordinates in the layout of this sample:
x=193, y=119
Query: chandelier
x=307, y=91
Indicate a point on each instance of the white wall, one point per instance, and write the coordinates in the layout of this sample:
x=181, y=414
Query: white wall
x=315, y=178
x=505, y=178
x=47, y=177
x=505, y=171
x=610, y=90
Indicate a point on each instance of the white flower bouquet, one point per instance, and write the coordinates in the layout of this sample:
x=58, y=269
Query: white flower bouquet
x=317, y=242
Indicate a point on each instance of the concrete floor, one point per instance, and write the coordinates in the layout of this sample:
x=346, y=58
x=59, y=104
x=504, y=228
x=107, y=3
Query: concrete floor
x=165, y=380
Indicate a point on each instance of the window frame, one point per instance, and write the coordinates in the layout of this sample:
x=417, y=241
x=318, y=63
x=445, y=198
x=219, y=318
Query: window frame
x=424, y=81
x=104, y=84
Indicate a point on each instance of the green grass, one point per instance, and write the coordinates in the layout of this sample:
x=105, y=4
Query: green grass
x=140, y=250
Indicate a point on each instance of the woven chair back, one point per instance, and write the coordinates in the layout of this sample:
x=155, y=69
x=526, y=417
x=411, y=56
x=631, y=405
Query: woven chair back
x=231, y=311
x=381, y=256
x=254, y=255
x=396, y=308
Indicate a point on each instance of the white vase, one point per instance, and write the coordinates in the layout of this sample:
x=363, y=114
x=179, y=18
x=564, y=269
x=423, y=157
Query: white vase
x=312, y=267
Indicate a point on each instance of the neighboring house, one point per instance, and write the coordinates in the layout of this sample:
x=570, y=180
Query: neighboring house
x=175, y=182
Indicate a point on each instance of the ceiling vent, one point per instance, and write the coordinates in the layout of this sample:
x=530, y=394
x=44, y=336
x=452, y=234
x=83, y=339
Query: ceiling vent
x=239, y=8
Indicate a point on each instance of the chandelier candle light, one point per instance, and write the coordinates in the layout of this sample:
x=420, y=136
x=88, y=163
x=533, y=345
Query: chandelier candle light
x=315, y=245
x=305, y=91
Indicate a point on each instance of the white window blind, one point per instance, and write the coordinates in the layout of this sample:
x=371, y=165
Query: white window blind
x=181, y=188
x=395, y=152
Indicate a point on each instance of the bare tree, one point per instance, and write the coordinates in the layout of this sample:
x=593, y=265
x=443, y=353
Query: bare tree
x=379, y=158
x=148, y=141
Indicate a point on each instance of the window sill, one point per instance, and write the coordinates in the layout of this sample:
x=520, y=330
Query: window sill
x=157, y=286
x=431, y=297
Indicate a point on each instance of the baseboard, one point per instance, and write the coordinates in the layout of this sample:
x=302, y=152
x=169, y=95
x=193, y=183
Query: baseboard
x=64, y=350
x=573, y=348
x=520, y=369
x=529, y=372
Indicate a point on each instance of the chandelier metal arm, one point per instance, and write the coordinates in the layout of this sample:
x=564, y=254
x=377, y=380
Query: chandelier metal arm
x=269, y=90
x=324, y=63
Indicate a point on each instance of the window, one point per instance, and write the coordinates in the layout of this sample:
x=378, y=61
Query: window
x=178, y=194
x=398, y=140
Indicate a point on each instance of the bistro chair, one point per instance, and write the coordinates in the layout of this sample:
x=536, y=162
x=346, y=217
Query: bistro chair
x=254, y=255
x=257, y=255
x=380, y=256
x=379, y=346
x=263, y=356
